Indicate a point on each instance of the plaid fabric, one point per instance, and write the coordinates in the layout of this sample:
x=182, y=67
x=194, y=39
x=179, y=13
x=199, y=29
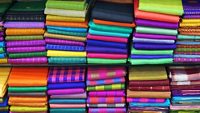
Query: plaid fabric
x=107, y=100
x=106, y=81
x=185, y=74
x=106, y=87
x=145, y=100
x=106, y=105
x=66, y=74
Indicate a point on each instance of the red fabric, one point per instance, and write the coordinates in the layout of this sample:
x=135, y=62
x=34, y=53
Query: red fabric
x=149, y=83
x=154, y=88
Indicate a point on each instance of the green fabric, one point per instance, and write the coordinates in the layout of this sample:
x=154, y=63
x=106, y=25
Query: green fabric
x=105, y=61
x=172, y=7
x=154, y=52
x=187, y=49
x=28, y=109
x=67, y=60
x=151, y=30
x=1, y=50
x=25, y=55
x=109, y=28
x=184, y=111
x=4, y=108
x=188, y=37
x=1, y=100
x=4, y=7
x=68, y=110
x=24, y=37
x=151, y=61
x=27, y=89
x=66, y=33
x=67, y=5
x=106, y=87
x=28, y=6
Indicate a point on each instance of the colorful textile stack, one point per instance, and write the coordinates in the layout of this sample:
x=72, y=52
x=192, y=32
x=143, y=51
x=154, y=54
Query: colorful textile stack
x=27, y=90
x=105, y=86
x=3, y=8
x=25, y=30
x=66, y=87
x=185, y=87
x=66, y=31
x=188, y=44
x=157, y=23
x=148, y=90
x=4, y=74
x=110, y=29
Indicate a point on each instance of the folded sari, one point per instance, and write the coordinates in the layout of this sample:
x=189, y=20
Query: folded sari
x=67, y=60
x=26, y=55
x=106, y=44
x=106, y=81
x=28, y=99
x=165, y=104
x=121, y=105
x=67, y=105
x=117, y=93
x=185, y=87
x=26, y=49
x=32, y=31
x=27, y=89
x=27, y=43
x=67, y=24
x=146, y=100
x=96, y=73
x=66, y=91
x=155, y=52
x=119, y=1
x=24, y=94
x=106, y=87
x=28, y=109
x=63, y=42
x=105, y=100
x=24, y=24
x=105, y=49
x=54, y=31
x=195, y=82
x=32, y=104
x=67, y=101
x=107, y=110
x=68, y=29
x=150, y=56
x=152, y=61
x=107, y=55
x=64, y=47
x=12, y=38
x=105, y=22
x=69, y=96
x=64, y=18
x=71, y=110
x=66, y=85
x=148, y=94
x=156, y=41
x=34, y=60
x=142, y=46
x=194, y=107
x=106, y=61
x=149, y=88
x=65, y=53
x=187, y=60
x=149, y=82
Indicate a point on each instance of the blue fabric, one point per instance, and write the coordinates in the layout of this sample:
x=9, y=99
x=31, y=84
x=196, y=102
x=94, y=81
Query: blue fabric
x=68, y=29
x=181, y=98
x=2, y=44
x=103, y=33
x=5, y=103
x=186, y=56
x=106, y=44
x=150, y=56
x=2, y=55
x=66, y=85
x=67, y=101
x=154, y=46
x=94, y=49
x=145, y=40
x=165, y=104
x=64, y=47
x=187, y=42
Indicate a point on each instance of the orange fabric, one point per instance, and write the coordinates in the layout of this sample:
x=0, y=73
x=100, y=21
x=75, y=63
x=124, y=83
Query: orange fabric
x=28, y=104
x=96, y=21
x=28, y=99
x=14, y=31
x=154, y=16
x=189, y=33
x=29, y=76
x=68, y=24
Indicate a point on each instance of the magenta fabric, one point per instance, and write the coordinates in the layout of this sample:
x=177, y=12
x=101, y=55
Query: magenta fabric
x=108, y=38
x=1, y=38
x=108, y=56
x=24, y=24
x=27, y=43
x=66, y=91
x=154, y=36
x=107, y=93
x=34, y=60
x=26, y=49
x=63, y=42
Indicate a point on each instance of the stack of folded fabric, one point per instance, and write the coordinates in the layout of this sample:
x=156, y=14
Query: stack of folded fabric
x=185, y=87
x=148, y=90
x=25, y=30
x=66, y=88
x=5, y=71
x=188, y=44
x=157, y=23
x=105, y=86
x=27, y=90
x=110, y=29
x=3, y=7
x=66, y=31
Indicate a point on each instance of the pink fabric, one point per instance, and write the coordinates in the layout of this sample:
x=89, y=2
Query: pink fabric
x=185, y=107
x=110, y=56
x=27, y=112
x=1, y=23
x=106, y=93
x=108, y=38
x=83, y=95
x=65, y=91
x=67, y=105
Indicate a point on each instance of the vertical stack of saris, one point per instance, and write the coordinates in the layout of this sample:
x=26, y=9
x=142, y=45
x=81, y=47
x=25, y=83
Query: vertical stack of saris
x=24, y=33
x=156, y=30
x=185, y=88
x=106, y=89
x=110, y=29
x=148, y=90
x=188, y=44
x=67, y=25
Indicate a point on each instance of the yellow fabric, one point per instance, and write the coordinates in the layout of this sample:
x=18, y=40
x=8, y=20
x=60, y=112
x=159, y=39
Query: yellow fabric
x=191, y=20
x=148, y=94
x=28, y=109
x=74, y=38
x=4, y=74
x=147, y=73
x=3, y=60
x=62, y=18
x=65, y=53
x=190, y=24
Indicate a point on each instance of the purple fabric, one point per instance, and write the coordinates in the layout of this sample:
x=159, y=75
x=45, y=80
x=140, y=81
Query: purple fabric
x=150, y=56
x=63, y=42
x=24, y=24
x=192, y=16
x=1, y=38
x=154, y=36
x=1, y=33
x=106, y=93
x=26, y=43
x=26, y=49
x=34, y=60
x=154, y=46
x=82, y=95
x=150, y=23
x=66, y=91
x=105, y=50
